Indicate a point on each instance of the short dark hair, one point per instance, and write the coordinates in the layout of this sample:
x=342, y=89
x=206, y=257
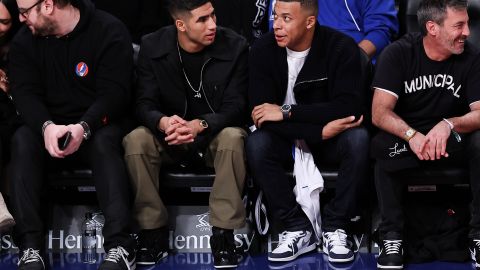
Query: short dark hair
x=436, y=11
x=307, y=4
x=182, y=6
x=62, y=3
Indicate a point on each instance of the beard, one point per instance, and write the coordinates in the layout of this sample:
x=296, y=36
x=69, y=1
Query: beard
x=451, y=43
x=45, y=27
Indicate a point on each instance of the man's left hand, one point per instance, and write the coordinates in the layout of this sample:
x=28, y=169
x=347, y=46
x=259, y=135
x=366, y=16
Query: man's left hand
x=437, y=141
x=195, y=127
x=266, y=112
x=76, y=140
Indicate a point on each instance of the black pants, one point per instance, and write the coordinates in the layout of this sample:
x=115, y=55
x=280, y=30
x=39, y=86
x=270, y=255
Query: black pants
x=268, y=155
x=103, y=152
x=390, y=188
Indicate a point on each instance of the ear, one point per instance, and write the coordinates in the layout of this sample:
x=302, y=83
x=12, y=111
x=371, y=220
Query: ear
x=311, y=21
x=432, y=28
x=49, y=5
x=180, y=24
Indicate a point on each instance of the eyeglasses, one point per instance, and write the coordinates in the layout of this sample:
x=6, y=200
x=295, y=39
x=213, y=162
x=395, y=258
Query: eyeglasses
x=25, y=12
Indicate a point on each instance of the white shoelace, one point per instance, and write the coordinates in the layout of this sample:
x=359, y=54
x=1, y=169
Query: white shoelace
x=337, y=238
x=115, y=254
x=477, y=242
x=31, y=255
x=287, y=238
x=392, y=246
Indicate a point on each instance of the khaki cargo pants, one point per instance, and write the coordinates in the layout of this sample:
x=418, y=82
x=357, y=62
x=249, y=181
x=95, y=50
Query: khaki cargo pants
x=144, y=156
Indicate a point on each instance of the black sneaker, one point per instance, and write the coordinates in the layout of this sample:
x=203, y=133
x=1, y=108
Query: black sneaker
x=223, y=248
x=475, y=251
x=119, y=259
x=152, y=246
x=291, y=245
x=391, y=252
x=31, y=260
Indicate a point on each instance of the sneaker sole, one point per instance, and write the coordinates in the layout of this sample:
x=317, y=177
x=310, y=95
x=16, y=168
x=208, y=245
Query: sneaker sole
x=389, y=267
x=350, y=259
x=293, y=257
x=341, y=260
x=225, y=266
x=165, y=254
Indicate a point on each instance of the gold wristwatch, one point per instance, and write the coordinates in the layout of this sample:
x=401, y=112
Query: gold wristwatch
x=409, y=134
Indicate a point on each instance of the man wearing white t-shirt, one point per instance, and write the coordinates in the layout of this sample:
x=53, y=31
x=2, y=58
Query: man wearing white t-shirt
x=305, y=85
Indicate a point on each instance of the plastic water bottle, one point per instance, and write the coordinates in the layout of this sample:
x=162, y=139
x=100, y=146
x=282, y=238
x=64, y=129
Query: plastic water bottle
x=89, y=240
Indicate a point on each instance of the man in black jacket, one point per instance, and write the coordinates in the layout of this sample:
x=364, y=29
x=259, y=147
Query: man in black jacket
x=314, y=72
x=191, y=99
x=63, y=83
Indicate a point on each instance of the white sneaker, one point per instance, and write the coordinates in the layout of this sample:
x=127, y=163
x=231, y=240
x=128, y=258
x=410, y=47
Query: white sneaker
x=119, y=259
x=337, y=246
x=291, y=245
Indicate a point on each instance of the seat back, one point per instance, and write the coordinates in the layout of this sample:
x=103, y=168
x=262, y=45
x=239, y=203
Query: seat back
x=474, y=16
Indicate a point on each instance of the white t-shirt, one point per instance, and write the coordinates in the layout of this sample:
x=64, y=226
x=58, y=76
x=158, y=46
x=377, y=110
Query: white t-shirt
x=295, y=63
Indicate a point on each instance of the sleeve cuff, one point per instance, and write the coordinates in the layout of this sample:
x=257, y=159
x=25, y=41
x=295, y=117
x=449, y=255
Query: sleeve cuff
x=379, y=39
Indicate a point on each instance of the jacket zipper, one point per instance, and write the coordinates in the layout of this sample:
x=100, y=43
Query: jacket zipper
x=316, y=80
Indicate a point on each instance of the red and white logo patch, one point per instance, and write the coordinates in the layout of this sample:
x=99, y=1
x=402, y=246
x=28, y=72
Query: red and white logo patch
x=81, y=69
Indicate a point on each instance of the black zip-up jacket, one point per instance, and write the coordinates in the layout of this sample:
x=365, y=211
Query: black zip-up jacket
x=161, y=83
x=328, y=86
x=49, y=81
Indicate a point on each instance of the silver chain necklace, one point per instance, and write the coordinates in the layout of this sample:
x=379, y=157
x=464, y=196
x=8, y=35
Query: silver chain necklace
x=196, y=91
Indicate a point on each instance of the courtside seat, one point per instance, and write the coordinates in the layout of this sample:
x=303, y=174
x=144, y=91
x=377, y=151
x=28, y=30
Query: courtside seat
x=71, y=180
x=436, y=176
x=197, y=181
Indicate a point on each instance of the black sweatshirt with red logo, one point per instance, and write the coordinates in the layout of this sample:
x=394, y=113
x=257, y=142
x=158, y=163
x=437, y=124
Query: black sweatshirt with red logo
x=85, y=75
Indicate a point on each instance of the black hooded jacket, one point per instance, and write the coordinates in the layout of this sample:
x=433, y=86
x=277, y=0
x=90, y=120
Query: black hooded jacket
x=82, y=76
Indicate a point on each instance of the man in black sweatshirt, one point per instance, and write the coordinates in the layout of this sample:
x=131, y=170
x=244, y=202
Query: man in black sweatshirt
x=70, y=71
x=314, y=72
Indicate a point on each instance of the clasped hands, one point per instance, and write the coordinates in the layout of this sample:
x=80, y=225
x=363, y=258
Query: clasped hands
x=433, y=145
x=179, y=131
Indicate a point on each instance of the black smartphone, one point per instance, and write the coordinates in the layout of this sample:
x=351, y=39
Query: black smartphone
x=64, y=140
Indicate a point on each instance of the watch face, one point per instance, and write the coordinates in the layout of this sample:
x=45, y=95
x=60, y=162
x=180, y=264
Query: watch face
x=286, y=107
x=204, y=124
x=410, y=132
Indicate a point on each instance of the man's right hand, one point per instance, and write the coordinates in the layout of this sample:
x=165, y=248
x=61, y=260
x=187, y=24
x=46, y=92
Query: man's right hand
x=176, y=130
x=50, y=137
x=335, y=127
x=166, y=122
x=417, y=144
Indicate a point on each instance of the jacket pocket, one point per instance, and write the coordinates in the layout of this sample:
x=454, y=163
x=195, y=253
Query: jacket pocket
x=214, y=92
x=314, y=91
